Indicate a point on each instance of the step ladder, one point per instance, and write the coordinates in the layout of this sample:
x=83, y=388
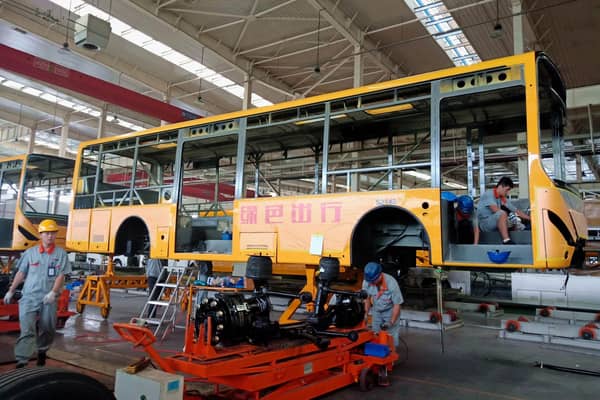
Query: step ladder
x=168, y=292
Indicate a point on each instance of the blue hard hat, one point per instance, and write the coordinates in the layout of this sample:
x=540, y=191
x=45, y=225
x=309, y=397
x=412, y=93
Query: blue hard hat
x=372, y=271
x=448, y=196
x=465, y=204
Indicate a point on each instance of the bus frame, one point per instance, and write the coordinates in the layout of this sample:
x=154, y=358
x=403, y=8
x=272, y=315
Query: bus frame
x=143, y=207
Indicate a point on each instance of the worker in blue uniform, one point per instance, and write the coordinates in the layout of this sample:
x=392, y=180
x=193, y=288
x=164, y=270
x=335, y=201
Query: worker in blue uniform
x=43, y=270
x=384, y=300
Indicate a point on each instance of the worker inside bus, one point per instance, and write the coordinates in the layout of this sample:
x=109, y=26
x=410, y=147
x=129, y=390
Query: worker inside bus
x=497, y=213
x=464, y=228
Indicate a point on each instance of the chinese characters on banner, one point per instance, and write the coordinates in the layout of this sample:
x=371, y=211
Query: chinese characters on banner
x=295, y=213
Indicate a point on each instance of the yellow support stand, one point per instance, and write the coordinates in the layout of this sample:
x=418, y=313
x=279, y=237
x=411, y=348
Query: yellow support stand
x=96, y=290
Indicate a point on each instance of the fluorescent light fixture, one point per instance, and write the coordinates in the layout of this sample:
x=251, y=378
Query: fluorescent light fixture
x=163, y=146
x=138, y=38
x=66, y=103
x=32, y=91
x=418, y=175
x=13, y=84
x=49, y=97
x=315, y=120
x=455, y=185
x=390, y=109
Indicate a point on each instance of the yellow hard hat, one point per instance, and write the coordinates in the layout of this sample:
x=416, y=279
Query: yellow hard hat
x=48, y=225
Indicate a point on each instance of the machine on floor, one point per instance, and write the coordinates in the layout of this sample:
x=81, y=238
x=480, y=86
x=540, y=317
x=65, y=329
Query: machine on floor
x=232, y=343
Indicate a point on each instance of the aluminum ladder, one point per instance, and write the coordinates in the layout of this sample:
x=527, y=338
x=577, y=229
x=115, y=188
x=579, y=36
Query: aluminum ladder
x=168, y=292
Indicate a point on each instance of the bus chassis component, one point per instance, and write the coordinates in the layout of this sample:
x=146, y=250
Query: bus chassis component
x=231, y=343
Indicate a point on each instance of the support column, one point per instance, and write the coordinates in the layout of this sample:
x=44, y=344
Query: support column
x=64, y=135
x=166, y=99
x=517, y=27
x=523, y=166
x=247, y=99
x=32, y=132
x=578, y=169
x=102, y=121
x=358, y=67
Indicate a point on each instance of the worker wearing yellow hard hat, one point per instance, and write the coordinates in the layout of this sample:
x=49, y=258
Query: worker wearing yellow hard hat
x=48, y=225
x=43, y=270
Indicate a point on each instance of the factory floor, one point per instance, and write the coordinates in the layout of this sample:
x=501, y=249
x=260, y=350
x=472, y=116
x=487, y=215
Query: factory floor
x=473, y=362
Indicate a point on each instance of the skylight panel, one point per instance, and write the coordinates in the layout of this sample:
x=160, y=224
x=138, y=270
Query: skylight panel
x=157, y=48
x=260, y=101
x=219, y=80
x=236, y=90
x=443, y=28
x=138, y=38
x=176, y=57
x=118, y=27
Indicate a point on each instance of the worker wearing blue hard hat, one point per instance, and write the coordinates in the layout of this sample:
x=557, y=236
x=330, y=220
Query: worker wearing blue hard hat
x=466, y=231
x=43, y=269
x=384, y=300
x=464, y=204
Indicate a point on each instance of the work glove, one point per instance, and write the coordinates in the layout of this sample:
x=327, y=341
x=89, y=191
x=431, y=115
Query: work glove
x=8, y=296
x=49, y=298
x=385, y=326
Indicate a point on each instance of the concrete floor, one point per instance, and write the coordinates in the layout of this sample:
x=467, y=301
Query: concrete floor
x=475, y=364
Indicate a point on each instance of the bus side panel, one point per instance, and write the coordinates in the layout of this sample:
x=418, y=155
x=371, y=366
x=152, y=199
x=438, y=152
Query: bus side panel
x=161, y=244
x=300, y=222
x=552, y=248
x=580, y=221
x=20, y=241
x=264, y=243
x=158, y=219
x=99, y=230
x=78, y=231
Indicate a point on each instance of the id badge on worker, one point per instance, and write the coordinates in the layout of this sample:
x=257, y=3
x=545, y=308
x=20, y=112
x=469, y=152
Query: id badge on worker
x=51, y=271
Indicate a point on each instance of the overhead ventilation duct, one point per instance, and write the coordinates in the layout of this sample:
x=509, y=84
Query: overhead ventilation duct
x=92, y=33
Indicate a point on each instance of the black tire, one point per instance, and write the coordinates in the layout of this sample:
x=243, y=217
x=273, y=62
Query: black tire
x=329, y=268
x=259, y=267
x=50, y=384
x=366, y=379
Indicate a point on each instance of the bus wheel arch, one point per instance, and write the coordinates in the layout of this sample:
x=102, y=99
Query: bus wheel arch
x=132, y=237
x=389, y=234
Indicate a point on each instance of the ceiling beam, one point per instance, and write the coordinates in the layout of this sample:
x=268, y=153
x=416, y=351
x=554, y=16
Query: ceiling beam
x=116, y=66
x=355, y=35
x=46, y=71
x=184, y=37
x=56, y=112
